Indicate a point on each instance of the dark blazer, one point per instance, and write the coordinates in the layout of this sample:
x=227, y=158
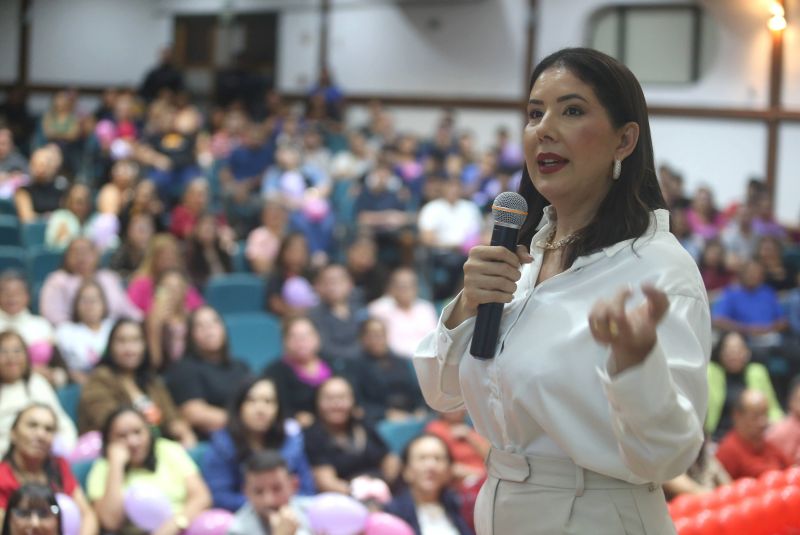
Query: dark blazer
x=402, y=506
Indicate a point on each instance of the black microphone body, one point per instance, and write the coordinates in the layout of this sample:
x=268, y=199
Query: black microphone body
x=487, y=324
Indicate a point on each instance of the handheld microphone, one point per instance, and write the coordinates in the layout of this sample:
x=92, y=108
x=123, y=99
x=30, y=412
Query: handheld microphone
x=509, y=211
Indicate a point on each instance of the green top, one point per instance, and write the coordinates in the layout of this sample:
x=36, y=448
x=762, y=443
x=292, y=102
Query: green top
x=756, y=377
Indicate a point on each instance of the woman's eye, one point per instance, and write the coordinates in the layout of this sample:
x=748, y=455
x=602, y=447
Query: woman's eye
x=535, y=114
x=573, y=110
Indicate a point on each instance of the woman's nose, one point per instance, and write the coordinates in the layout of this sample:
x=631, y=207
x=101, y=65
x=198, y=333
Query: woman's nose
x=545, y=129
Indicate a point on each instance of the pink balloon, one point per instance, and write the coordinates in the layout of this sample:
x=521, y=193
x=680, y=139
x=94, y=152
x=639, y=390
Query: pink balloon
x=40, y=352
x=146, y=506
x=316, y=208
x=336, y=514
x=386, y=524
x=88, y=447
x=70, y=514
x=211, y=522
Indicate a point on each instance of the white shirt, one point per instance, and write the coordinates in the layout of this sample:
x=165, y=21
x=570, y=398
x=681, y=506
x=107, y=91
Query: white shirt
x=80, y=346
x=453, y=224
x=433, y=520
x=548, y=391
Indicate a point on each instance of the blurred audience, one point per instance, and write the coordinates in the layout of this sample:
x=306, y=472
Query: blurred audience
x=785, y=435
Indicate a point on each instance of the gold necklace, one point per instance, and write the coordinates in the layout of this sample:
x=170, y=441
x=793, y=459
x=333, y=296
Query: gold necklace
x=549, y=244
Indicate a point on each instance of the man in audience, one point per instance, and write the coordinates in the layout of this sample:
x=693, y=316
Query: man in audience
x=10, y=157
x=272, y=507
x=739, y=238
x=339, y=315
x=407, y=318
x=744, y=451
x=785, y=435
x=751, y=307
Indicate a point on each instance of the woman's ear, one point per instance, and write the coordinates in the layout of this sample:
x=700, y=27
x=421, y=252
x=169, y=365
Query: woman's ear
x=629, y=137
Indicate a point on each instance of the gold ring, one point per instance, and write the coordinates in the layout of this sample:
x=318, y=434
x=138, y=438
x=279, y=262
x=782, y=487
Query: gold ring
x=613, y=328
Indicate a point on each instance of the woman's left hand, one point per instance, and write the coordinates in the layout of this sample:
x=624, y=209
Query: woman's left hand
x=631, y=334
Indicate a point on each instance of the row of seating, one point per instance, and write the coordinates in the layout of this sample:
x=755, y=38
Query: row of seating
x=12, y=232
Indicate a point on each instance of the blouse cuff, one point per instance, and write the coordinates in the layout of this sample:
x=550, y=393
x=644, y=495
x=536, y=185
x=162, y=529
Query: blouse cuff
x=641, y=391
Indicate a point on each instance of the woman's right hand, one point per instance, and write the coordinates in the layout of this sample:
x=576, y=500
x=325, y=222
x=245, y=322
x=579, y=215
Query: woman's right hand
x=490, y=276
x=118, y=454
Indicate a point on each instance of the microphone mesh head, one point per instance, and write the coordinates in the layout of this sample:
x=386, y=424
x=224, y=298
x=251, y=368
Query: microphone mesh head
x=510, y=209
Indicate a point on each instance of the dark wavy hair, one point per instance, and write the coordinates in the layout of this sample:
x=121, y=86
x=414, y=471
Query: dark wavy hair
x=105, y=432
x=194, y=352
x=37, y=495
x=49, y=467
x=144, y=374
x=625, y=212
x=273, y=438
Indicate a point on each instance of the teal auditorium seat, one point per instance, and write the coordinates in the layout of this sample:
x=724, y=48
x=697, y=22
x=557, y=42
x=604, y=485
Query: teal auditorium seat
x=32, y=234
x=9, y=230
x=236, y=292
x=69, y=396
x=7, y=207
x=255, y=338
x=198, y=452
x=80, y=470
x=12, y=257
x=42, y=262
x=398, y=434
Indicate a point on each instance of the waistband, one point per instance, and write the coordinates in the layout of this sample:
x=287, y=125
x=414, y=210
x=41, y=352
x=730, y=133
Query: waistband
x=552, y=472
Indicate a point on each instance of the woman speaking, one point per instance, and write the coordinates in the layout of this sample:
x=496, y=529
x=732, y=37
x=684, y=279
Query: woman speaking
x=597, y=391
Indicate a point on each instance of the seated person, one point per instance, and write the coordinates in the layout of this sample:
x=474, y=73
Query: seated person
x=752, y=308
x=785, y=434
x=300, y=371
x=339, y=314
x=124, y=377
x=255, y=423
x=42, y=195
x=132, y=455
x=263, y=242
x=165, y=323
x=340, y=447
x=203, y=381
x=729, y=373
x=20, y=386
x=29, y=460
x=386, y=386
x=15, y=314
x=292, y=264
x=33, y=506
x=426, y=504
x=271, y=507
x=467, y=448
x=745, y=451
x=70, y=221
x=703, y=476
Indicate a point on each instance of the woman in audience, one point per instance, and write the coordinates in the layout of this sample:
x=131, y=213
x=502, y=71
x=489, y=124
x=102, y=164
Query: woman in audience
x=61, y=126
x=779, y=275
x=15, y=315
x=80, y=264
x=263, y=242
x=194, y=203
x=203, y=381
x=83, y=340
x=301, y=370
x=42, y=196
x=130, y=254
x=20, y=386
x=340, y=447
x=33, y=509
x=208, y=252
x=28, y=460
x=144, y=201
x=679, y=226
x=255, y=422
x=467, y=448
x=729, y=373
x=704, y=218
x=70, y=221
x=124, y=377
x=386, y=385
x=369, y=276
x=712, y=266
x=163, y=253
x=292, y=263
x=425, y=503
x=119, y=191
x=132, y=455
x=165, y=324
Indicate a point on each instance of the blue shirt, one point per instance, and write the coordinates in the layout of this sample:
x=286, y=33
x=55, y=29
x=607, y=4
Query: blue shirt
x=225, y=475
x=246, y=162
x=759, y=306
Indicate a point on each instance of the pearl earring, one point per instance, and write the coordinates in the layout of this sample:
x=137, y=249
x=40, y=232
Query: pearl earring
x=617, y=171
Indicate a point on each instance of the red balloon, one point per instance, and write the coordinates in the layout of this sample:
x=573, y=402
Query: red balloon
x=731, y=520
x=773, y=479
x=793, y=476
x=686, y=526
x=746, y=487
x=726, y=495
x=749, y=510
x=773, y=513
x=708, y=523
x=684, y=505
x=791, y=503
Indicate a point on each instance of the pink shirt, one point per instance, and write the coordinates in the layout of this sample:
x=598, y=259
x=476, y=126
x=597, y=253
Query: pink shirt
x=141, y=290
x=785, y=435
x=60, y=287
x=404, y=328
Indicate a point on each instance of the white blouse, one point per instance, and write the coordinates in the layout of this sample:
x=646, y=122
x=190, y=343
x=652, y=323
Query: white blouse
x=548, y=391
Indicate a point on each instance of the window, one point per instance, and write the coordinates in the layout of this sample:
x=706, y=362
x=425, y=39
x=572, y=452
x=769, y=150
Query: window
x=659, y=43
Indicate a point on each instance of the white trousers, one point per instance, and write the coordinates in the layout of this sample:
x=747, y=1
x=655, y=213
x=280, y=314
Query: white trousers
x=552, y=496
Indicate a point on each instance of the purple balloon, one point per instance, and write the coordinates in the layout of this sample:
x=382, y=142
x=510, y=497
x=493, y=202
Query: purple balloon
x=70, y=514
x=146, y=506
x=297, y=292
x=88, y=447
x=211, y=522
x=386, y=524
x=336, y=514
